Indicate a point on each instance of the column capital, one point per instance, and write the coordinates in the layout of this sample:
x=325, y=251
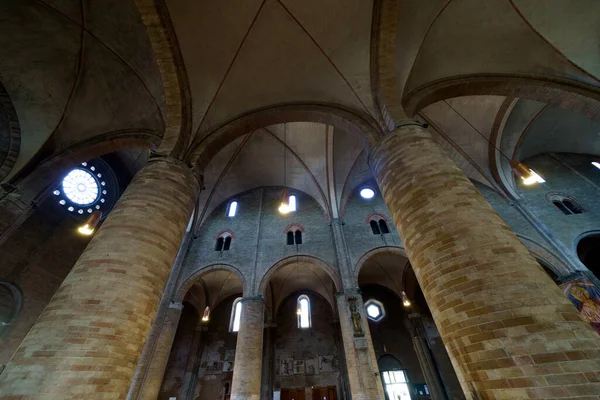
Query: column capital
x=350, y=292
x=175, y=305
x=257, y=298
x=406, y=122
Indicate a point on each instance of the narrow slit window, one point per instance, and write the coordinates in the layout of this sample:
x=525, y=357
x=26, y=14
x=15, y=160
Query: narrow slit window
x=383, y=226
x=227, y=243
x=219, y=244
x=559, y=204
x=236, y=315
x=290, y=238
x=292, y=202
x=303, y=312
x=298, y=236
x=374, y=227
x=232, y=210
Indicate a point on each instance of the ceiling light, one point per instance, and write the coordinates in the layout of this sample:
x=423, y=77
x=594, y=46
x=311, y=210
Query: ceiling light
x=596, y=164
x=284, y=206
x=206, y=314
x=90, y=224
x=367, y=193
x=405, y=300
x=527, y=175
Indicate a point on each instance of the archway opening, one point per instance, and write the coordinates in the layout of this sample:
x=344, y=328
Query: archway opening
x=588, y=251
x=302, y=351
x=203, y=352
x=403, y=333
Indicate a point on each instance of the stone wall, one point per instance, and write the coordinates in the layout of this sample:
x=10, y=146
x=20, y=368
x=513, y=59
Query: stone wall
x=318, y=340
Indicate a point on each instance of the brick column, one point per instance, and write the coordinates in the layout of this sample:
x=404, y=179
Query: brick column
x=361, y=362
x=509, y=330
x=247, y=367
x=87, y=342
x=152, y=381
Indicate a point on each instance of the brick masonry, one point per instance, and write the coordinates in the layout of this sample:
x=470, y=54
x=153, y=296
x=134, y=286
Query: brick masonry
x=248, y=351
x=87, y=341
x=509, y=330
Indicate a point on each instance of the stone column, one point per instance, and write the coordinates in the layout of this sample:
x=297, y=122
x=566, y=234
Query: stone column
x=87, y=341
x=268, y=366
x=247, y=368
x=428, y=366
x=502, y=319
x=361, y=362
x=152, y=381
x=341, y=253
x=190, y=376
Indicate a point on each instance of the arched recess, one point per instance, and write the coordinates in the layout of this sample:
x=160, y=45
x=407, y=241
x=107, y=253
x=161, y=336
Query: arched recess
x=10, y=134
x=11, y=303
x=569, y=94
x=299, y=273
x=207, y=144
x=189, y=281
x=393, y=251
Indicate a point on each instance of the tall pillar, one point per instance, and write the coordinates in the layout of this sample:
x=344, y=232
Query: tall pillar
x=247, y=367
x=190, y=376
x=430, y=371
x=361, y=362
x=502, y=319
x=87, y=341
x=152, y=381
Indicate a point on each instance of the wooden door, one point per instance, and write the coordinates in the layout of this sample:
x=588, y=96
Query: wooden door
x=293, y=394
x=324, y=393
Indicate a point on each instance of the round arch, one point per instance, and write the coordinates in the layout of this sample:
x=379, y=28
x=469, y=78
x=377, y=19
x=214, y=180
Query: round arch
x=585, y=247
x=569, y=94
x=394, y=250
x=332, y=272
x=207, y=144
x=546, y=257
x=188, y=282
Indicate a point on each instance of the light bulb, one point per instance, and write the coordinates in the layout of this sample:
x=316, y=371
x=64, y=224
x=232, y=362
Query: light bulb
x=405, y=300
x=532, y=178
x=85, y=230
x=284, y=208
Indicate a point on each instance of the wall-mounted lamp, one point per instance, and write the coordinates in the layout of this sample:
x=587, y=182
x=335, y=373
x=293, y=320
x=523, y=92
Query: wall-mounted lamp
x=206, y=314
x=91, y=223
x=405, y=300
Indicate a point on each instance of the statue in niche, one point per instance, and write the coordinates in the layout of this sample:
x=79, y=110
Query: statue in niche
x=356, y=320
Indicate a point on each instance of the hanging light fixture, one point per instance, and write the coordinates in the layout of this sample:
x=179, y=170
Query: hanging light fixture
x=91, y=223
x=527, y=175
x=284, y=206
x=405, y=300
x=206, y=314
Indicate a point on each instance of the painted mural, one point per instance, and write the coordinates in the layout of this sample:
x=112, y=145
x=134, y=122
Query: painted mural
x=586, y=297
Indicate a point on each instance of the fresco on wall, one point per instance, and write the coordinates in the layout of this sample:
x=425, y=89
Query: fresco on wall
x=586, y=297
x=327, y=364
x=312, y=365
x=298, y=367
x=286, y=367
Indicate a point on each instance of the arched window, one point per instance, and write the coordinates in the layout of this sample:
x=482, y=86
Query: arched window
x=219, y=244
x=224, y=241
x=232, y=209
x=292, y=203
x=298, y=236
x=383, y=226
x=293, y=234
x=303, y=311
x=374, y=227
x=565, y=204
x=236, y=315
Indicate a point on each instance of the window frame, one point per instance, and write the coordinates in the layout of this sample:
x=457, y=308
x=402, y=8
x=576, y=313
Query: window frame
x=299, y=300
x=235, y=205
x=295, y=201
x=234, y=315
x=379, y=305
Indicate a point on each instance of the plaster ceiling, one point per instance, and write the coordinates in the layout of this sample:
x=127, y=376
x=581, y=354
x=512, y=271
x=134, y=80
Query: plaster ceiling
x=387, y=269
x=66, y=91
x=299, y=276
x=326, y=163
x=463, y=37
x=241, y=55
x=212, y=288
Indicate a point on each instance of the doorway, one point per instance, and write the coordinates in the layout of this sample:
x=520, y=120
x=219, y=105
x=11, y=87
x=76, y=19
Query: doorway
x=293, y=394
x=324, y=393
